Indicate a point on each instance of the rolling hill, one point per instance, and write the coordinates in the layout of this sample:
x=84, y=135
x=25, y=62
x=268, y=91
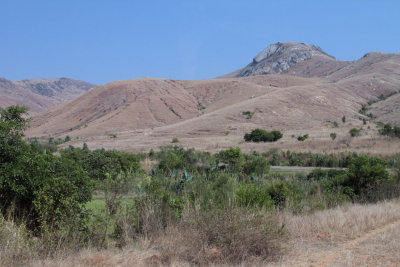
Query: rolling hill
x=293, y=87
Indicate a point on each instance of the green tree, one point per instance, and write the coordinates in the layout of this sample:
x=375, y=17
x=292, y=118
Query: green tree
x=365, y=173
x=44, y=190
x=260, y=135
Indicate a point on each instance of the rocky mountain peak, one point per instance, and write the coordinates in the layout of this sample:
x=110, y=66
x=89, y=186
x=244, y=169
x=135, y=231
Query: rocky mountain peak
x=280, y=57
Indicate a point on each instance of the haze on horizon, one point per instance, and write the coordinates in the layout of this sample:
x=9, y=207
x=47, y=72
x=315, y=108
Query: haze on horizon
x=103, y=41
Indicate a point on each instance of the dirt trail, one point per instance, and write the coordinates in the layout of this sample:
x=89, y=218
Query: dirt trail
x=327, y=258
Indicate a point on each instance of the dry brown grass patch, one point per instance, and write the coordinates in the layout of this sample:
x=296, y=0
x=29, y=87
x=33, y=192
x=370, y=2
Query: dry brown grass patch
x=344, y=222
x=230, y=236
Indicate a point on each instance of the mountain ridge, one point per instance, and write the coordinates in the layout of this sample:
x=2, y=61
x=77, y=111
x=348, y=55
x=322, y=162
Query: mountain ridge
x=40, y=94
x=208, y=114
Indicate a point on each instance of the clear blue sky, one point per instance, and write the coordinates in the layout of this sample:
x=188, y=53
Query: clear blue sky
x=102, y=41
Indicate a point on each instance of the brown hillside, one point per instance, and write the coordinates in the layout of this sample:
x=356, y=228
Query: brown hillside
x=40, y=94
x=208, y=114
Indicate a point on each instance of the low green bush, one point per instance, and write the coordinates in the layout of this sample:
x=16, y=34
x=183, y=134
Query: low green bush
x=355, y=132
x=254, y=195
x=302, y=137
x=260, y=135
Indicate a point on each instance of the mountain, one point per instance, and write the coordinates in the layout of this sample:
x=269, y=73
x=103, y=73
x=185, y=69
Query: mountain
x=290, y=57
x=308, y=97
x=40, y=94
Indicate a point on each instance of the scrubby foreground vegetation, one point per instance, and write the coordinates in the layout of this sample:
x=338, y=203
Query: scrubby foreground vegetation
x=185, y=205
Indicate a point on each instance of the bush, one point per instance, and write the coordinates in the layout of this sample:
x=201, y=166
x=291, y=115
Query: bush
x=253, y=195
x=67, y=139
x=278, y=190
x=256, y=165
x=387, y=129
x=233, y=157
x=365, y=173
x=302, y=138
x=259, y=135
x=175, y=140
x=355, y=132
x=333, y=136
x=249, y=114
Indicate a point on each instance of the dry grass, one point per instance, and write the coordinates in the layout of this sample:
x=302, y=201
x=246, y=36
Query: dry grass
x=381, y=250
x=351, y=235
x=342, y=223
x=230, y=236
x=13, y=245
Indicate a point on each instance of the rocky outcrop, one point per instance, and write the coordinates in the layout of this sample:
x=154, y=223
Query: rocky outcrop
x=281, y=57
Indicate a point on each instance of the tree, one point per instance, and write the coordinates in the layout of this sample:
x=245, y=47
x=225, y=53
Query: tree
x=12, y=126
x=365, y=173
x=46, y=191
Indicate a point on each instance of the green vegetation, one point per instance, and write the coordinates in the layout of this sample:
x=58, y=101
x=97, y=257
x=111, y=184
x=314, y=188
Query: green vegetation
x=302, y=137
x=228, y=200
x=259, y=135
x=363, y=109
x=355, y=132
x=249, y=114
x=175, y=140
x=333, y=136
x=45, y=192
x=387, y=129
x=344, y=119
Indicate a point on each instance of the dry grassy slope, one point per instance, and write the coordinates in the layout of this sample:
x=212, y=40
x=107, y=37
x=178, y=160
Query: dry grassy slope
x=119, y=106
x=387, y=110
x=11, y=94
x=40, y=94
x=146, y=113
x=150, y=103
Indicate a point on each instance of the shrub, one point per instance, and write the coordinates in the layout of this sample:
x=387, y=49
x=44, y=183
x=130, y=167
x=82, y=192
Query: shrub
x=253, y=195
x=317, y=174
x=344, y=119
x=249, y=114
x=259, y=135
x=302, y=138
x=257, y=165
x=365, y=173
x=387, y=129
x=232, y=156
x=155, y=209
x=355, y=132
x=278, y=190
x=175, y=140
x=333, y=136
x=67, y=139
x=363, y=109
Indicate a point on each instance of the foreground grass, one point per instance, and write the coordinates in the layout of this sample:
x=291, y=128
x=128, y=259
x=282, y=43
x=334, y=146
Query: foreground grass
x=310, y=237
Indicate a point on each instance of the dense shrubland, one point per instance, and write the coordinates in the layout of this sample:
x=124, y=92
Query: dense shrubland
x=228, y=202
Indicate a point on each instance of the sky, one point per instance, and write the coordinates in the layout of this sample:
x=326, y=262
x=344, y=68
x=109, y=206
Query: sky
x=102, y=41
